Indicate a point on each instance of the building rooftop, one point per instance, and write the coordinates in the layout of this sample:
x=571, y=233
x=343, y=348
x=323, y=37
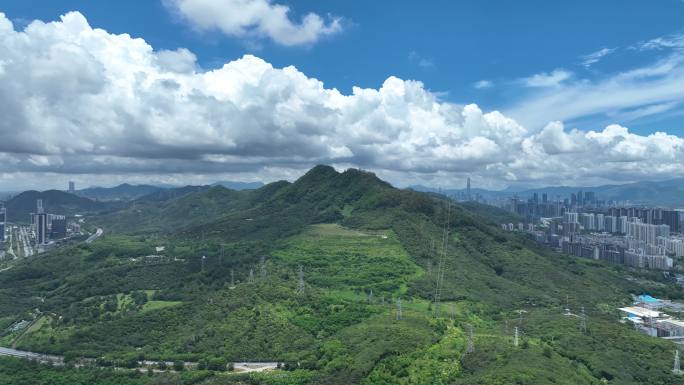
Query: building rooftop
x=640, y=311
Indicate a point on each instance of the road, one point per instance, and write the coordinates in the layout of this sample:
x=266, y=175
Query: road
x=254, y=366
x=31, y=356
x=240, y=367
x=98, y=234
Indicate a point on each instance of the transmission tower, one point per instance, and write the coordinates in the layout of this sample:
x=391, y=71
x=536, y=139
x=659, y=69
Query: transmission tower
x=442, y=259
x=675, y=369
x=262, y=267
x=471, y=344
x=398, y=309
x=301, y=286
x=583, y=321
x=515, y=338
x=251, y=276
x=221, y=256
x=232, y=278
x=370, y=296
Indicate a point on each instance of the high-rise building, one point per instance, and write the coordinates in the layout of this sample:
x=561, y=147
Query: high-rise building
x=672, y=218
x=600, y=222
x=544, y=198
x=40, y=224
x=58, y=227
x=72, y=187
x=41, y=228
x=588, y=221
x=610, y=224
x=589, y=197
x=646, y=232
x=468, y=196
x=3, y=219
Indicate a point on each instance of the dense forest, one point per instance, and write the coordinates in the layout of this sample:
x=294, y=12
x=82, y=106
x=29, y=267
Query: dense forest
x=336, y=276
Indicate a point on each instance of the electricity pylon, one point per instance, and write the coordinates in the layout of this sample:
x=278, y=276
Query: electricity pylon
x=471, y=344
x=676, y=369
x=262, y=267
x=515, y=338
x=301, y=286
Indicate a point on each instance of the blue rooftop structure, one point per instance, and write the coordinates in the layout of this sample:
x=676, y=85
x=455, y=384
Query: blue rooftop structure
x=647, y=299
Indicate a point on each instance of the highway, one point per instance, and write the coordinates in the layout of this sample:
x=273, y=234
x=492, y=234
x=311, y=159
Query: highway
x=31, y=356
x=98, y=234
x=240, y=367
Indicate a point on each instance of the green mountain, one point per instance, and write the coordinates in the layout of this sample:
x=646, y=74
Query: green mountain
x=58, y=202
x=336, y=275
x=122, y=192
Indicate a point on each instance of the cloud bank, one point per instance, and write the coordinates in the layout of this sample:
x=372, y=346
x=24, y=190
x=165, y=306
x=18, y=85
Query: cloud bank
x=79, y=100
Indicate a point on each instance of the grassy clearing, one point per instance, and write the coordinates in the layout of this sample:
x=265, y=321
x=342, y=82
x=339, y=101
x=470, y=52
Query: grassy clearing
x=156, y=305
x=336, y=257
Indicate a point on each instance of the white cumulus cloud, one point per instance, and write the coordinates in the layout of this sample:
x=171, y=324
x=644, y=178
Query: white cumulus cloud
x=256, y=19
x=547, y=79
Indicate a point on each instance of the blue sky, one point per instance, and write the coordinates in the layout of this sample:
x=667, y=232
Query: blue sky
x=448, y=45
x=503, y=86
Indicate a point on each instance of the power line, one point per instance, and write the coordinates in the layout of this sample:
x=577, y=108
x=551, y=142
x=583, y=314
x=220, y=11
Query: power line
x=442, y=260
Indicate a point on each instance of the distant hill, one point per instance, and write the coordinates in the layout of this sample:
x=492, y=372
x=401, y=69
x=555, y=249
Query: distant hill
x=58, y=202
x=179, y=208
x=122, y=192
x=239, y=185
x=171, y=193
x=129, y=192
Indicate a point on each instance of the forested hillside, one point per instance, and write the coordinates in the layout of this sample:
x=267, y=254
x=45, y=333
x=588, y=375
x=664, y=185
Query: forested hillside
x=336, y=276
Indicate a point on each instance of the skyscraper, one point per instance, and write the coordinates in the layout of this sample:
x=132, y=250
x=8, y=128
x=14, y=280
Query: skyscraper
x=58, y=227
x=40, y=224
x=468, y=196
x=72, y=187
